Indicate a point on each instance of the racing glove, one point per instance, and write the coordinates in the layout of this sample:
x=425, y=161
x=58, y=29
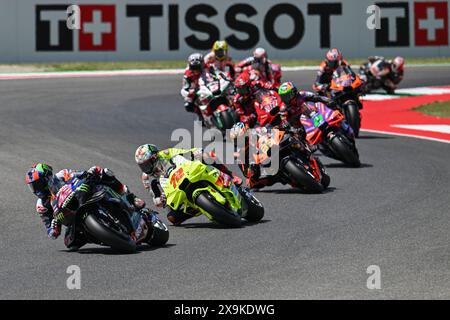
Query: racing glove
x=160, y=201
x=54, y=230
x=189, y=106
x=197, y=154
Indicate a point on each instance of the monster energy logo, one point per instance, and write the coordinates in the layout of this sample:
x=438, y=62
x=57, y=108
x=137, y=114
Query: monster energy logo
x=60, y=217
x=84, y=188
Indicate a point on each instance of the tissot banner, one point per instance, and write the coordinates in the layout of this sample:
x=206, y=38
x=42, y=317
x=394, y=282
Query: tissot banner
x=35, y=30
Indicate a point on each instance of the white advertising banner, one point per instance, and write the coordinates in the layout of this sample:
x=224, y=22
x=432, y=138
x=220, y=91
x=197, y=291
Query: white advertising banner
x=106, y=30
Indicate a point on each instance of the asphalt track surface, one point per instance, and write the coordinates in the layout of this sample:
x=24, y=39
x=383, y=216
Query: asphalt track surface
x=392, y=212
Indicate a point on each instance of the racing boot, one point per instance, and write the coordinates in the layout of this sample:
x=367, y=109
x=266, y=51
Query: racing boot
x=178, y=217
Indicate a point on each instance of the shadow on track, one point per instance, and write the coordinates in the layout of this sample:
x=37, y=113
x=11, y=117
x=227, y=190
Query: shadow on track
x=111, y=252
x=294, y=191
x=345, y=166
x=213, y=225
x=365, y=137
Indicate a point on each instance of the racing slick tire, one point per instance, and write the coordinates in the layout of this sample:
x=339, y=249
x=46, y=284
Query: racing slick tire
x=219, y=213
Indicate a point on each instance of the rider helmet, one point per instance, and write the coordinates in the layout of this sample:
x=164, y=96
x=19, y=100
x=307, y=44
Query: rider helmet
x=196, y=62
x=398, y=64
x=260, y=56
x=287, y=92
x=238, y=130
x=220, y=49
x=146, y=157
x=334, y=58
x=242, y=84
x=38, y=179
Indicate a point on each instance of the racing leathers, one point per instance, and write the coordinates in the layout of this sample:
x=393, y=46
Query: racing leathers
x=73, y=238
x=189, y=89
x=244, y=104
x=226, y=66
x=269, y=72
x=169, y=159
x=325, y=75
x=297, y=107
x=382, y=70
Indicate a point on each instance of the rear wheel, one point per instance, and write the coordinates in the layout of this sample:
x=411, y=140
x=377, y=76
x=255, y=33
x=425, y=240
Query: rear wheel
x=118, y=241
x=219, y=213
x=345, y=150
x=302, y=178
x=353, y=117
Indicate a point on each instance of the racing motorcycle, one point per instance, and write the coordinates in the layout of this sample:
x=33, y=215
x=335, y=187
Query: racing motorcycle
x=276, y=72
x=214, y=103
x=106, y=218
x=328, y=129
x=296, y=165
x=196, y=187
x=346, y=88
x=376, y=76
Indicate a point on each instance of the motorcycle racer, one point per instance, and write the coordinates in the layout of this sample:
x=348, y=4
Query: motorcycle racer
x=156, y=166
x=44, y=184
x=218, y=59
x=294, y=102
x=191, y=78
x=389, y=73
x=243, y=100
x=333, y=60
x=270, y=72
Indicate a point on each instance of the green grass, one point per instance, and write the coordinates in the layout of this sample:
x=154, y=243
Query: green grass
x=83, y=66
x=439, y=109
x=176, y=64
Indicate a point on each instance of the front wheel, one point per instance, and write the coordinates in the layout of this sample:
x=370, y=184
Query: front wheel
x=219, y=213
x=227, y=119
x=118, y=241
x=255, y=210
x=325, y=180
x=160, y=236
x=353, y=117
x=302, y=178
x=345, y=150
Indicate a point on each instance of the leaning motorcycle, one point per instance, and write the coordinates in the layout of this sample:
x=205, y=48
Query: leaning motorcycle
x=376, y=76
x=346, y=88
x=328, y=129
x=294, y=165
x=215, y=105
x=195, y=187
x=106, y=218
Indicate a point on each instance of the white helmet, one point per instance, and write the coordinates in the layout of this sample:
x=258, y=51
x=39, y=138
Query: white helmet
x=398, y=63
x=260, y=55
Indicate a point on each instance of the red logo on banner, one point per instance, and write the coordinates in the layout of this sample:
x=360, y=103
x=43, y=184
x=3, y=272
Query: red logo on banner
x=98, y=28
x=431, y=23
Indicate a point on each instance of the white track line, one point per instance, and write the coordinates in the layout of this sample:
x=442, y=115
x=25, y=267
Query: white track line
x=405, y=135
x=139, y=72
x=440, y=128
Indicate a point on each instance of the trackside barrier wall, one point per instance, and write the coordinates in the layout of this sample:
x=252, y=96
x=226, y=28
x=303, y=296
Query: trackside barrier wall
x=36, y=30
